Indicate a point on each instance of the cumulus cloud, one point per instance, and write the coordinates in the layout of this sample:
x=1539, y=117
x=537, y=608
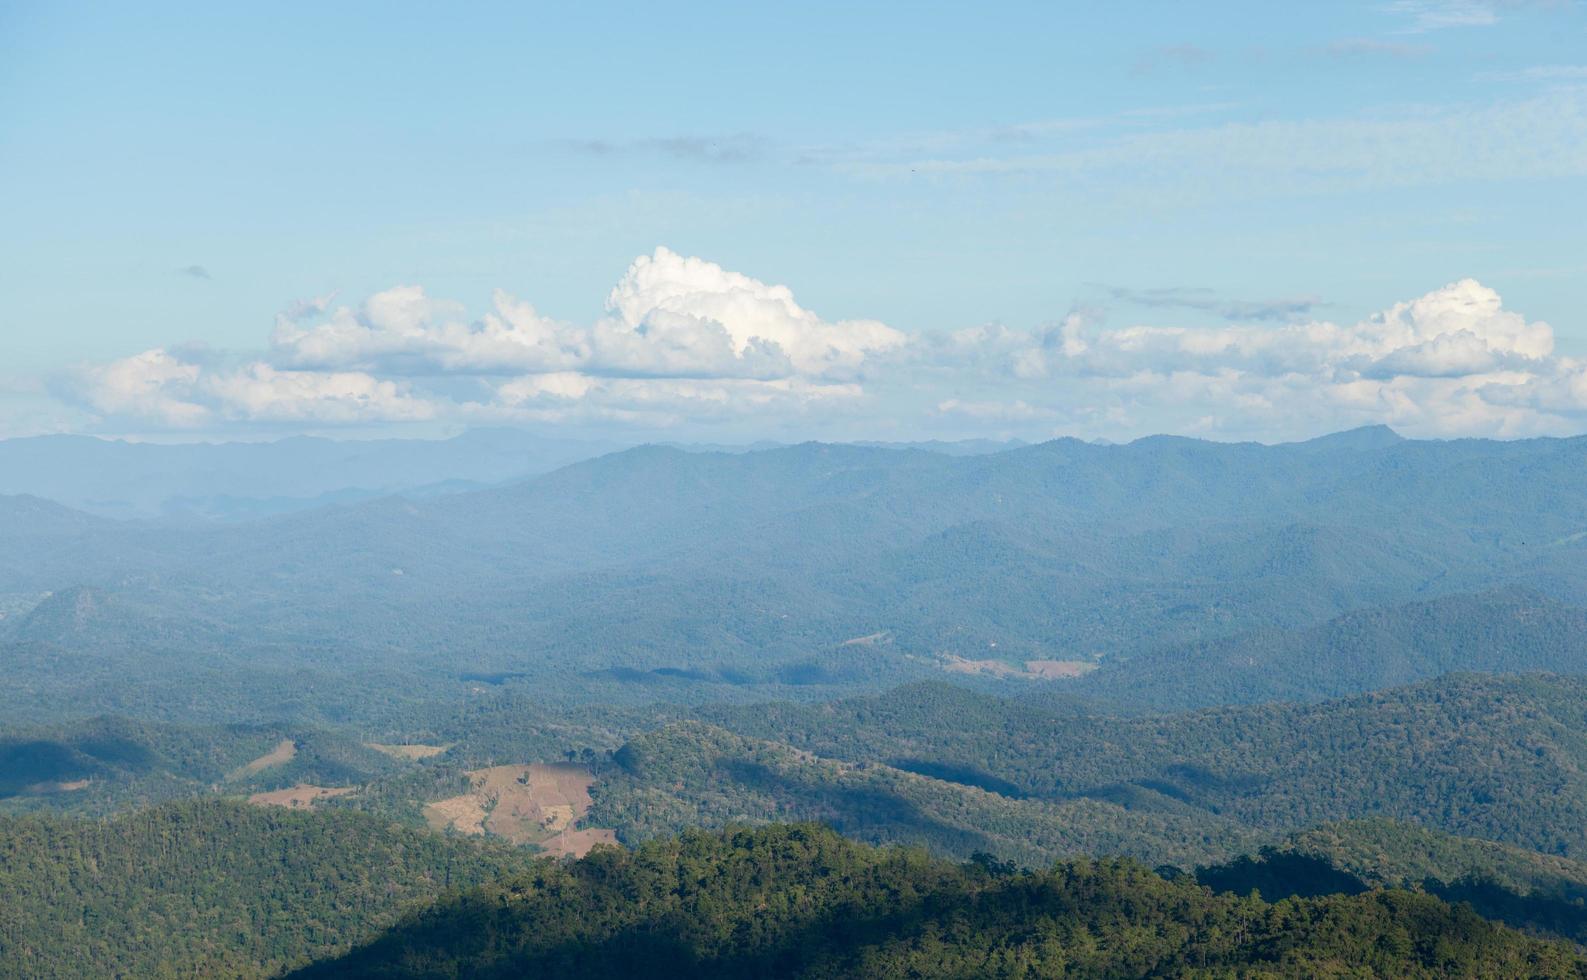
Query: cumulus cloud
x=1453, y=361
x=680, y=339
x=684, y=342
x=160, y=386
x=668, y=317
x=153, y=385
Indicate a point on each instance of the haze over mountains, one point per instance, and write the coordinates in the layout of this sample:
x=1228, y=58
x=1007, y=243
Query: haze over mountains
x=838, y=563
x=241, y=480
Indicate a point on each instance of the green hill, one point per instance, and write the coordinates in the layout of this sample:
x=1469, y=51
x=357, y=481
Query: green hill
x=799, y=901
x=1498, y=757
x=215, y=888
x=1537, y=892
x=694, y=775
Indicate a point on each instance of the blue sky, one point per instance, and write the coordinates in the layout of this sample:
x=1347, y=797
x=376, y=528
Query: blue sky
x=1087, y=219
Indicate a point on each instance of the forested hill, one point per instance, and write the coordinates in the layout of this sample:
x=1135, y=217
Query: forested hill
x=799, y=901
x=1498, y=757
x=1501, y=631
x=1540, y=893
x=216, y=888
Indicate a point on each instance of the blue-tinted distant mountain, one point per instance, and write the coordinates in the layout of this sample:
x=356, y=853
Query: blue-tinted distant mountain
x=1503, y=631
x=755, y=563
x=240, y=480
x=1364, y=439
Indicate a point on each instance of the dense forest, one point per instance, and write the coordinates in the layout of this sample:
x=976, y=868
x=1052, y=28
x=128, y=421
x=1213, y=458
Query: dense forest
x=801, y=901
x=216, y=888
x=1498, y=757
x=1539, y=893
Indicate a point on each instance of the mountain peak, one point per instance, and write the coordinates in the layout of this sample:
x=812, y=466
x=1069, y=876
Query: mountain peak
x=1363, y=438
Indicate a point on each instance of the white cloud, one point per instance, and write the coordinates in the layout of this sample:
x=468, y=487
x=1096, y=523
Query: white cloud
x=668, y=317
x=994, y=411
x=153, y=385
x=684, y=342
x=158, y=386
x=1453, y=361
x=260, y=392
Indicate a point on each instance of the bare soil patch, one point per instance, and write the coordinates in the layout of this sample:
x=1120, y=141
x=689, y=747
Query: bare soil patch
x=577, y=843
x=413, y=751
x=527, y=804
x=1045, y=670
x=1059, y=669
x=283, y=753
x=47, y=788
x=299, y=797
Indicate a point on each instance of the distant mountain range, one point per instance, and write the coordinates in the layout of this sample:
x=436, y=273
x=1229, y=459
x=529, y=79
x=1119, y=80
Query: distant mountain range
x=1171, y=562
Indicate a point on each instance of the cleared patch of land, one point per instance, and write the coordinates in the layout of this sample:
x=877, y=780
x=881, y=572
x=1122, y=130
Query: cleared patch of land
x=464, y=814
x=1059, y=668
x=44, y=789
x=577, y=843
x=412, y=751
x=299, y=797
x=526, y=804
x=1042, y=670
x=283, y=753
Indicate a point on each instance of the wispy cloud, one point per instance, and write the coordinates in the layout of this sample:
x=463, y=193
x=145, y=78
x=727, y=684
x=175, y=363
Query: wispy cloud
x=1178, y=56
x=1350, y=48
x=1207, y=301
x=1541, y=137
x=1435, y=15
x=194, y=272
x=732, y=148
x=1538, y=73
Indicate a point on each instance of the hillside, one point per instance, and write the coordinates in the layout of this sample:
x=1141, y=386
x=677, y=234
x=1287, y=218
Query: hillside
x=108, y=764
x=1504, y=758
x=693, y=775
x=1368, y=650
x=799, y=901
x=1537, y=892
x=216, y=889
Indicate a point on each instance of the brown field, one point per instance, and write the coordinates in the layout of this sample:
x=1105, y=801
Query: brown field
x=1059, y=668
x=526, y=804
x=282, y=753
x=1045, y=670
x=413, y=751
x=300, y=797
x=577, y=843
x=44, y=789
x=465, y=814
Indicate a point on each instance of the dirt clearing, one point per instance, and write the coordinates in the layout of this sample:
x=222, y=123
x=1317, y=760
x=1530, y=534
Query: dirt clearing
x=412, y=751
x=300, y=797
x=526, y=804
x=284, y=752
